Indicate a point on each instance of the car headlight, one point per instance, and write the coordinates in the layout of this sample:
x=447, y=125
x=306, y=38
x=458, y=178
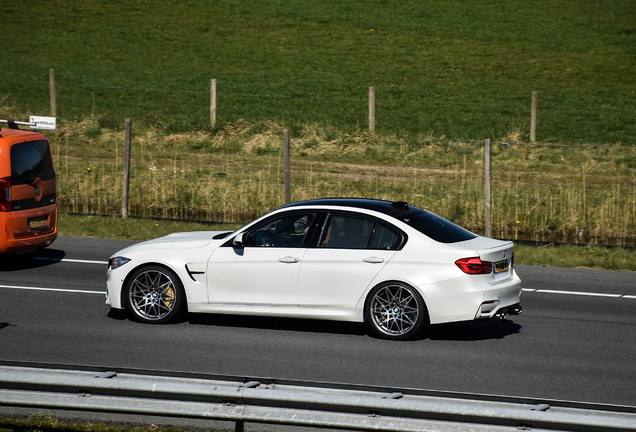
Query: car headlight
x=115, y=262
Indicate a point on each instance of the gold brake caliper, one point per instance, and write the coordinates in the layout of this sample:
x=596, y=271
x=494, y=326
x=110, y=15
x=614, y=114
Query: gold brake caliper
x=168, y=298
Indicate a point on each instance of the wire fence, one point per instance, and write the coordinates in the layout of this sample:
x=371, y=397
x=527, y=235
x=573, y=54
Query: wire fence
x=539, y=191
x=454, y=116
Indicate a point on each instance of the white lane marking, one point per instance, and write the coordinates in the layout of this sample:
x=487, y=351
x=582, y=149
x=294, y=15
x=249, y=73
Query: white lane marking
x=72, y=260
x=52, y=289
x=579, y=293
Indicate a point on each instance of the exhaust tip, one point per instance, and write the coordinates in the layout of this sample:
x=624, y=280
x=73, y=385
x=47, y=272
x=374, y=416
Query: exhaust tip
x=510, y=310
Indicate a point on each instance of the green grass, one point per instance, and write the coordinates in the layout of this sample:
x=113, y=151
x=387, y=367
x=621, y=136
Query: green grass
x=46, y=423
x=540, y=192
x=596, y=257
x=454, y=69
x=130, y=228
x=459, y=69
x=145, y=229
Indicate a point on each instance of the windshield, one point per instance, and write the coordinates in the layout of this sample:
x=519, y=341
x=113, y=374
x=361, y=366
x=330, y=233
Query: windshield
x=437, y=228
x=30, y=160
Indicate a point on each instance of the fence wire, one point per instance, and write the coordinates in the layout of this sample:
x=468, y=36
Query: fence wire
x=540, y=192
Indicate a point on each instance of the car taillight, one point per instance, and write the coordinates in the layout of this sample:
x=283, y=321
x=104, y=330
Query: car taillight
x=5, y=194
x=474, y=266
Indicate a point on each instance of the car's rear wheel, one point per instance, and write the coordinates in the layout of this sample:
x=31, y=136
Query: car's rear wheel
x=395, y=310
x=154, y=294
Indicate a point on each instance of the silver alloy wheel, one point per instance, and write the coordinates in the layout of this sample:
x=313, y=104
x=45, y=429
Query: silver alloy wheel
x=395, y=311
x=153, y=295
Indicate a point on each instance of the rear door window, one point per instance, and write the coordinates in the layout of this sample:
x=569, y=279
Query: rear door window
x=345, y=231
x=31, y=160
x=385, y=238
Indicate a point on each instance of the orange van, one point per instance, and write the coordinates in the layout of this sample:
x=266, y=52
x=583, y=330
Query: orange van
x=28, y=209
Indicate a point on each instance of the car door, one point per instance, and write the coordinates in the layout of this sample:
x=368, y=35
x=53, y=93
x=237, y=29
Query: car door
x=264, y=269
x=352, y=249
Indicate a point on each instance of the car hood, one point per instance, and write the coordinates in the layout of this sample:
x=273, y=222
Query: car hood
x=181, y=240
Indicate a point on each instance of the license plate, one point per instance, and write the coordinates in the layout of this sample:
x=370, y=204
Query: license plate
x=501, y=266
x=38, y=223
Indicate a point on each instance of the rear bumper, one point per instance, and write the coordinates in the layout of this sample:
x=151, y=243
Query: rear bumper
x=470, y=297
x=490, y=311
x=510, y=310
x=16, y=236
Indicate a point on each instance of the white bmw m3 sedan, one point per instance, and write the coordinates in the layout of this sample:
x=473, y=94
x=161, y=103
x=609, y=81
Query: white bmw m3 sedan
x=394, y=266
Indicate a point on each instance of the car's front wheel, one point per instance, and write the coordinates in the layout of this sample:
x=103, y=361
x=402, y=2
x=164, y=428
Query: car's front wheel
x=395, y=310
x=154, y=294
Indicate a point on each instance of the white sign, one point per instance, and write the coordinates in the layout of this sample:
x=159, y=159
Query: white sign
x=48, y=123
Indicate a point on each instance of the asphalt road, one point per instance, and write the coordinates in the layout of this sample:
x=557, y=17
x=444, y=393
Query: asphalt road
x=576, y=338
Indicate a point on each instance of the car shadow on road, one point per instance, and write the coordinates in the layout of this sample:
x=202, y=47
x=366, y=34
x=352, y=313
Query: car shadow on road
x=472, y=330
x=44, y=258
x=284, y=324
x=460, y=331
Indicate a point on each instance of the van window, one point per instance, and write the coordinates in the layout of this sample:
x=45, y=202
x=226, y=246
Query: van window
x=31, y=160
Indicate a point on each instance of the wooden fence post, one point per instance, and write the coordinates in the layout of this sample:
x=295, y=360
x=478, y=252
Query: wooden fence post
x=487, y=189
x=53, y=93
x=213, y=103
x=286, y=166
x=128, y=134
x=372, y=109
x=533, y=117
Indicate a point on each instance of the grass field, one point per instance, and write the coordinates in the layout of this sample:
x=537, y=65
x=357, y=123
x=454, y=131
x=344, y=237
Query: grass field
x=47, y=423
x=447, y=75
x=463, y=70
x=539, y=192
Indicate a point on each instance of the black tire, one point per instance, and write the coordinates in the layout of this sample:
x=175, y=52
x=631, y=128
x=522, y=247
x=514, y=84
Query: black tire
x=396, y=311
x=154, y=294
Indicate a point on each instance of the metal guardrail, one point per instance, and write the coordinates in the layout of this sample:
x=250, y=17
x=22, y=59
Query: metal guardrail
x=282, y=404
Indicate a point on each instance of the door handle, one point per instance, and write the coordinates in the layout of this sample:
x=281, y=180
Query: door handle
x=288, y=260
x=373, y=260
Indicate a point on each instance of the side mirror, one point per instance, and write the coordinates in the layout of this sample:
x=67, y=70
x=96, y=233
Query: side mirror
x=239, y=240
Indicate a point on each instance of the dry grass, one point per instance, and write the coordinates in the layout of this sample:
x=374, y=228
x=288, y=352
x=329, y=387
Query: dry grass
x=235, y=174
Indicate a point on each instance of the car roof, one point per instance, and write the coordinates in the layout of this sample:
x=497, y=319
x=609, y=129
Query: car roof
x=395, y=209
x=13, y=136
